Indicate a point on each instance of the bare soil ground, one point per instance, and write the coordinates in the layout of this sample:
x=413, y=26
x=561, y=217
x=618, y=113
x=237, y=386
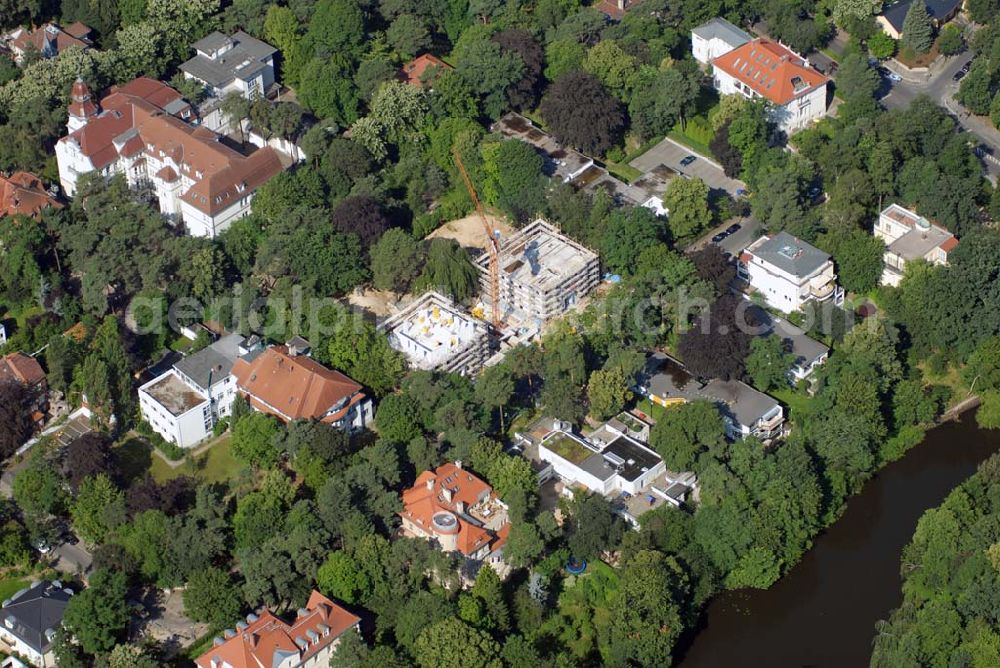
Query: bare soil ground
x=469, y=232
x=378, y=302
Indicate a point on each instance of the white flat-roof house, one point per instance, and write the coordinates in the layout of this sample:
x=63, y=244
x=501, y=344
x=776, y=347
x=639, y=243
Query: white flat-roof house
x=809, y=354
x=909, y=236
x=183, y=404
x=789, y=272
x=232, y=64
x=795, y=91
x=716, y=38
x=142, y=131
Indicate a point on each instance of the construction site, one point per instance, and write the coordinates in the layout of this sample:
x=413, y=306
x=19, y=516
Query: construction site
x=436, y=335
x=541, y=274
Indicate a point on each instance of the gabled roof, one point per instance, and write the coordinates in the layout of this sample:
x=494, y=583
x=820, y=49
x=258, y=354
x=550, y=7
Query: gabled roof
x=895, y=14
x=771, y=70
x=51, y=36
x=34, y=614
x=21, y=368
x=264, y=640
x=413, y=71
x=295, y=387
x=24, y=193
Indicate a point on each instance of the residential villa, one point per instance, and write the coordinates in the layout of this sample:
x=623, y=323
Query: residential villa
x=26, y=370
x=910, y=237
x=795, y=91
x=31, y=618
x=48, y=40
x=892, y=17
x=745, y=411
x=183, y=404
x=140, y=130
x=264, y=640
x=287, y=383
x=716, y=38
x=809, y=354
x=457, y=510
x=422, y=70
x=789, y=272
x=24, y=194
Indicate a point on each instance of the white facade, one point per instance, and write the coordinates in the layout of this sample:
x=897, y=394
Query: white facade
x=715, y=38
x=794, y=115
x=180, y=411
x=908, y=237
x=772, y=268
x=596, y=467
x=232, y=64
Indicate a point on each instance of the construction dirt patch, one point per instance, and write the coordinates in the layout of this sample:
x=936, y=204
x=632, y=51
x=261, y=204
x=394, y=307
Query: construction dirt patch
x=469, y=232
x=377, y=302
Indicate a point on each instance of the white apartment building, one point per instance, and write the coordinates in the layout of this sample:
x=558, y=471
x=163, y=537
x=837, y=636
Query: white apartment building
x=716, y=38
x=140, y=131
x=232, y=64
x=909, y=237
x=795, y=91
x=788, y=272
x=183, y=404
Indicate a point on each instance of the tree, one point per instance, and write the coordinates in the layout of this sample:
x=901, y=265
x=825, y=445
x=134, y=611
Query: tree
x=488, y=589
x=254, y=440
x=593, y=526
x=98, y=616
x=449, y=270
x=515, y=180
x=976, y=90
x=342, y=578
x=661, y=99
x=563, y=56
x=686, y=431
x=396, y=259
x=582, y=114
x=361, y=215
x=130, y=656
x=38, y=489
x=645, y=613
x=719, y=342
x=983, y=366
x=859, y=259
x=86, y=456
x=768, y=362
x=612, y=66
x=857, y=83
x=327, y=89
x=608, y=392
x=15, y=416
x=488, y=70
x=982, y=11
x=98, y=510
x=364, y=354
x=627, y=233
x=451, y=643
x=712, y=266
x=687, y=203
x=495, y=387
x=336, y=27
x=523, y=93
x=950, y=40
x=397, y=419
x=211, y=596
x=881, y=45
x=408, y=35
x=918, y=31
x=846, y=10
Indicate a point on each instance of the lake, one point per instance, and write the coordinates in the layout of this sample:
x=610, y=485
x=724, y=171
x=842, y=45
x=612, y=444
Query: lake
x=823, y=611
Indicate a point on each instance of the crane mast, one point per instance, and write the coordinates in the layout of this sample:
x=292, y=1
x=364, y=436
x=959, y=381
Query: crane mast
x=492, y=246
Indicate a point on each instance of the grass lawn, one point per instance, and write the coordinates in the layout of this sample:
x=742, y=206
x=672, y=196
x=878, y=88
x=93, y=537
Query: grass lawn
x=9, y=586
x=624, y=171
x=696, y=146
x=217, y=464
x=951, y=378
x=798, y=403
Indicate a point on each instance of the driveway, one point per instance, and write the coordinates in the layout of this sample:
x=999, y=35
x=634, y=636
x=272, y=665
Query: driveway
x=71, y=559
x=750, y=231
x=667, y=155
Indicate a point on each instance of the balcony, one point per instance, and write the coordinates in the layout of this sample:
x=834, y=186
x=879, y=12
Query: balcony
x=824, y=291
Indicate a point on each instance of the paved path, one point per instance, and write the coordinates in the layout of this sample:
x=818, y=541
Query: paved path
x=667, y=155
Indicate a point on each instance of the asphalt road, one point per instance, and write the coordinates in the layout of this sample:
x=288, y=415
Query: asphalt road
x=941, y=87
x=668, y=154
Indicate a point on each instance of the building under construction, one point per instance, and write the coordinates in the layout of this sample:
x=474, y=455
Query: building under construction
x=435, y=335
x=542, y=273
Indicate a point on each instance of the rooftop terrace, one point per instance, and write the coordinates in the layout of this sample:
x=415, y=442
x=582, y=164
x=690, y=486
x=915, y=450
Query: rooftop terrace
x=174, y=394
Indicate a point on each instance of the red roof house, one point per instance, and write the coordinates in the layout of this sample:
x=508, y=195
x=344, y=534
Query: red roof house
x=266, y=641
x=23, y=193
x=48, y=40
x=413, y=72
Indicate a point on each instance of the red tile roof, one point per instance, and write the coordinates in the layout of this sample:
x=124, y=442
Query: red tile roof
x=771, y=70
x=52, y=33
x=23, y=193
x=949, y=244
x=22, y=368
x=255, y=646
x=296, y=387
x=430, y=495
x=413, y=71
x=221, y=176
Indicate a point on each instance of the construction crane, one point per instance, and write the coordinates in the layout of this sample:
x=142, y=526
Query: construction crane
x=492, y=246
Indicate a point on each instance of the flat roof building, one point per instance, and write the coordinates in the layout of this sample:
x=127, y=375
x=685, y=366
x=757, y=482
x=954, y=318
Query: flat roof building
x=543, y=273
x=435, y=335
x=909, y=236
x=788, y=272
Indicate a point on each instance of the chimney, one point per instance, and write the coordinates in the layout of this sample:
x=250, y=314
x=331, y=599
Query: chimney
x=458, y=464
x=448, y=495
x=621, y=5
x=460, y=507
x=430, y=483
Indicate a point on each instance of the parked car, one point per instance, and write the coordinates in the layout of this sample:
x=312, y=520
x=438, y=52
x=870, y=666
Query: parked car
x=719, y=237
x=815, y=193
x=733, y=229
x=688, y=160
x=741, y=192
x=959, y=75
x=43, y=546
x=967, y=67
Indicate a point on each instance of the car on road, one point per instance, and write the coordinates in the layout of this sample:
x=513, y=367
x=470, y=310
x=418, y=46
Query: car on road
x=688, y=160
x=733, y=229
x=719, y=237
x=43, y=546
x=959, y=75
x=888, y=74
x=967, y=66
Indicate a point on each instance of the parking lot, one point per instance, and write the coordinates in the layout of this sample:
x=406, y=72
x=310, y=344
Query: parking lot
x=669, y=154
